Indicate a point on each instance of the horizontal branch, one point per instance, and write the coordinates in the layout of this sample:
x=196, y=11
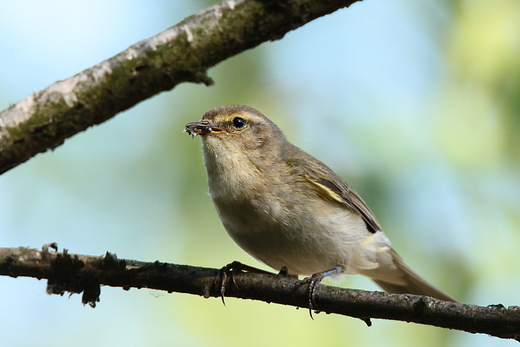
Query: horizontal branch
x=182, y=53
x=82, y=273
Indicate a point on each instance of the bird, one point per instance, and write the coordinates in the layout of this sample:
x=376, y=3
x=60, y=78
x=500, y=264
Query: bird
x=289, y=210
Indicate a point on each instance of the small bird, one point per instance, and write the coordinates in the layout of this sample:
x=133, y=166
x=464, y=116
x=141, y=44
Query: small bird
x=287, y=209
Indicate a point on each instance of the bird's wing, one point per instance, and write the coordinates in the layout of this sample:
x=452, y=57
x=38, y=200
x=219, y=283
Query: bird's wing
x=332, y=186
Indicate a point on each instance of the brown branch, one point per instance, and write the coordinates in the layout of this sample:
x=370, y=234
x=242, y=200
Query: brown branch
x=81, y=273
x=182, y=53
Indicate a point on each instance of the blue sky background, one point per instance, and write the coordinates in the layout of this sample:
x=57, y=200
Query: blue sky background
x=413, y=102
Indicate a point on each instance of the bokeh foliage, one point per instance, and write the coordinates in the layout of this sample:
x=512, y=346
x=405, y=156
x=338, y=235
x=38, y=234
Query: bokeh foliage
x=415, y=103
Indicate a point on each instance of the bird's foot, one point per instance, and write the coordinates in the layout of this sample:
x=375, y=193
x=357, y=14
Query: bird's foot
x=229, y=272
x=313, y=282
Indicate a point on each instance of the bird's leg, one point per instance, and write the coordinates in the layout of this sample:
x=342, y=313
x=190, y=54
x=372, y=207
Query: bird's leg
x=230, y=271
x=313, y=282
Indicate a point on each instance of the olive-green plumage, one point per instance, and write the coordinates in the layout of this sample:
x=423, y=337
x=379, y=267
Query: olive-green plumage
x=286, y=208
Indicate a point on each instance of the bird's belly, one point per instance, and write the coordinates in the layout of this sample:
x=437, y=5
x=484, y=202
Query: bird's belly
x=306, y=242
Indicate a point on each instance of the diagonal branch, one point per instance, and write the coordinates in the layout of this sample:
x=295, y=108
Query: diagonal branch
x=82, y=273
x=181, y=53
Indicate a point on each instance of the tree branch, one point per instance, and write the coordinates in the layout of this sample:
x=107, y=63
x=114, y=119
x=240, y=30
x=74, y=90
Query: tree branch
x=82, y=273
x=182, y=53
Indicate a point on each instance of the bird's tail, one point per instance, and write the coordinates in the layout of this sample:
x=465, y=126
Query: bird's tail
x=406, y=281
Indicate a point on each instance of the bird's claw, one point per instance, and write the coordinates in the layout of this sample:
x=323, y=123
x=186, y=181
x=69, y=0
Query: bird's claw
x=229, y=272
x=224, y=275
x=313, y=282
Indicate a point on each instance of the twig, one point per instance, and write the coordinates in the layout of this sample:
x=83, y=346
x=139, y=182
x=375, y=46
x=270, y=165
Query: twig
x=82, y=273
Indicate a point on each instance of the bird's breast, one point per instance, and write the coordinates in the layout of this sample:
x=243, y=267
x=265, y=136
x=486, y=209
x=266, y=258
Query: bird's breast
x=279, y=232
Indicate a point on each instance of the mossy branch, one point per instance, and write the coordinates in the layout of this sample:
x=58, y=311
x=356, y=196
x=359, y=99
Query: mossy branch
x=181, y=53
x=184, y=53
x=85, y=274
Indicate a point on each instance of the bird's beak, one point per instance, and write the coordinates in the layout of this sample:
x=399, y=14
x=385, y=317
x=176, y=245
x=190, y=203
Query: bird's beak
x=201, y=128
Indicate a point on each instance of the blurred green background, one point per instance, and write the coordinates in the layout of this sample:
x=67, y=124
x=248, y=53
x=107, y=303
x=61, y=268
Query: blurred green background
x=415, y=102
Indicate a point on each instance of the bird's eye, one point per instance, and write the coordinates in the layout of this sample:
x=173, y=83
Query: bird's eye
x=239, y=122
